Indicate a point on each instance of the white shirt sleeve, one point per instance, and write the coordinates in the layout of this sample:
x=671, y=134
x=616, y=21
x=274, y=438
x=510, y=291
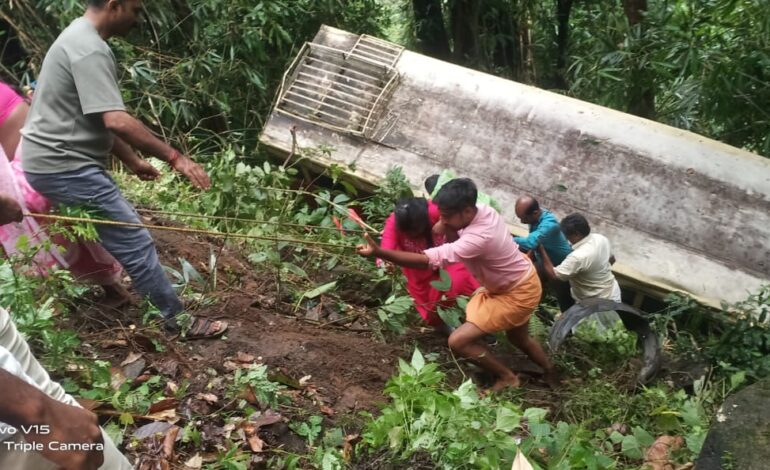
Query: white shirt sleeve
x=571, y=266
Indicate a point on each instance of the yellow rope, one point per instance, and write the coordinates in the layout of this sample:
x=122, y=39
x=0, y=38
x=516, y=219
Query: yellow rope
x=241, y=219
x=180, y=229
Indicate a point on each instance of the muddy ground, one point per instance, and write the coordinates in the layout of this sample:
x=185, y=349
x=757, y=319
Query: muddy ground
x=329, y=368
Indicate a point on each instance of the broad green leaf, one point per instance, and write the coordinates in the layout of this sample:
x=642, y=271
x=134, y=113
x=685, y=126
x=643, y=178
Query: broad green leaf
x=322, y=289
x=394, y=436
x=695, y=440
x=631, y=448
x=540, y=429
x=293, y=268
x=644, y=438
x=535, y=415
x=418, y=362
x=450, y=316
x=126, y=419
x=467, y=393
x=737, y=379
x=691, y=413
x=341, y=199
x=507, y=420
x=444, y=284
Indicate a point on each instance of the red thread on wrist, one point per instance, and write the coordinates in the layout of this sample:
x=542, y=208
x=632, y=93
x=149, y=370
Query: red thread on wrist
x=173, y=158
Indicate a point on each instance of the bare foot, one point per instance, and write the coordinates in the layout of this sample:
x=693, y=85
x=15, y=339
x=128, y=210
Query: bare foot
x=115, y=296
x=505, y=382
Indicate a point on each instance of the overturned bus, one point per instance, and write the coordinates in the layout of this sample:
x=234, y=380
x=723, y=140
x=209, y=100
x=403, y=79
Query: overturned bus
x=683, y=212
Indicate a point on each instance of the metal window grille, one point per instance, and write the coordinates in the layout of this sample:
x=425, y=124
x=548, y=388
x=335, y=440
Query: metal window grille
x=341, y=90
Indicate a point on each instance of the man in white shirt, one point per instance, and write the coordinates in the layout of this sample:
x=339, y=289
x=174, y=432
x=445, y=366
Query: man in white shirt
x=588, y=267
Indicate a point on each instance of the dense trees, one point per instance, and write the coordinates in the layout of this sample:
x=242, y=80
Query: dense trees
x=702, y=65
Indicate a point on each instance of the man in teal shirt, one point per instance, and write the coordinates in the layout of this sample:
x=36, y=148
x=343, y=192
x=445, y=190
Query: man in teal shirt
x=544, y=230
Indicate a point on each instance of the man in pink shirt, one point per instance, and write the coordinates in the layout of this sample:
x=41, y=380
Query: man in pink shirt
x=478, y=237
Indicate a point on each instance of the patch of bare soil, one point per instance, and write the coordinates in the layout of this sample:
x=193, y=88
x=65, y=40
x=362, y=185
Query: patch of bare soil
x=330, y=368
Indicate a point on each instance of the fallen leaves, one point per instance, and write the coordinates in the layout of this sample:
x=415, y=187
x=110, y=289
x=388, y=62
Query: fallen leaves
x=209, y=398
x=194, y=463
x=245, y=358
x=157, y=441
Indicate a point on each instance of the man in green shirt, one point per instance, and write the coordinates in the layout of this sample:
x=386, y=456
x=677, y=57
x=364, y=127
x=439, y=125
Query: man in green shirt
x=76, y=120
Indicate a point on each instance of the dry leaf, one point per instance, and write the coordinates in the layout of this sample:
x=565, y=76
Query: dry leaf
x=227, y=429
x=265, y=419
x=304, y=380
x=113, y=343
x=347, y=447
x=207, y=397
x=230, y=366
x=243, y=357
x=250, y=431
x=165, y=415
x=171, y=388
x=195, y=462
x=162, y=405
x=521, y=462
x=327, y=410
x=151, y=429
x=255, y=443
x=168, y=442
x=248, y=395
x=142, y=378
x=116, y=378
x=132, y=356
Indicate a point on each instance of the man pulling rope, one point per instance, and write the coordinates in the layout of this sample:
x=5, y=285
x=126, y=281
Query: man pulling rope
x=76, y=120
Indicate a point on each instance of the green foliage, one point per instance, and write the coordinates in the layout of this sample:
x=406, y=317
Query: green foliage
x=394, y=187
x=598, y=351
x=232, y=459
x=37, y=303
x=102, y=383
x=255, y=380
x=704, y=77
x=84, y=231
x=744, y=345
x=459, y=429
x=201, y=67
x=310, y=430
x=394, y=313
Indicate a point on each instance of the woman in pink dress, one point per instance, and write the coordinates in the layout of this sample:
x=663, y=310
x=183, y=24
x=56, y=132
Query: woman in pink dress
x=409, y=228
x=88, y=261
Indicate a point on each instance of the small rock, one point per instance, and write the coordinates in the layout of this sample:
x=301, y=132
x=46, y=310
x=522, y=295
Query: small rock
x=315, y=313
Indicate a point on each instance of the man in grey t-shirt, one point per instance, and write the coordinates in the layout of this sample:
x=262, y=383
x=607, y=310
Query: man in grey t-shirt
x=76, y=120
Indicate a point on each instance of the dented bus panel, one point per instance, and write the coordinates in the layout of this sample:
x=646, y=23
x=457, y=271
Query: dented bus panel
x=683, y=212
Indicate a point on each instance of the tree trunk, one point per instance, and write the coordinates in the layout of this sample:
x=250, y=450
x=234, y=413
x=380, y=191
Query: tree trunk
x=563, y=9
x=641, y=92
x=465, y=31
x=429, y=28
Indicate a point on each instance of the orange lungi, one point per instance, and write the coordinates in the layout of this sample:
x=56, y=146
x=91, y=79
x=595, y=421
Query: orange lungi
x=502, y=311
